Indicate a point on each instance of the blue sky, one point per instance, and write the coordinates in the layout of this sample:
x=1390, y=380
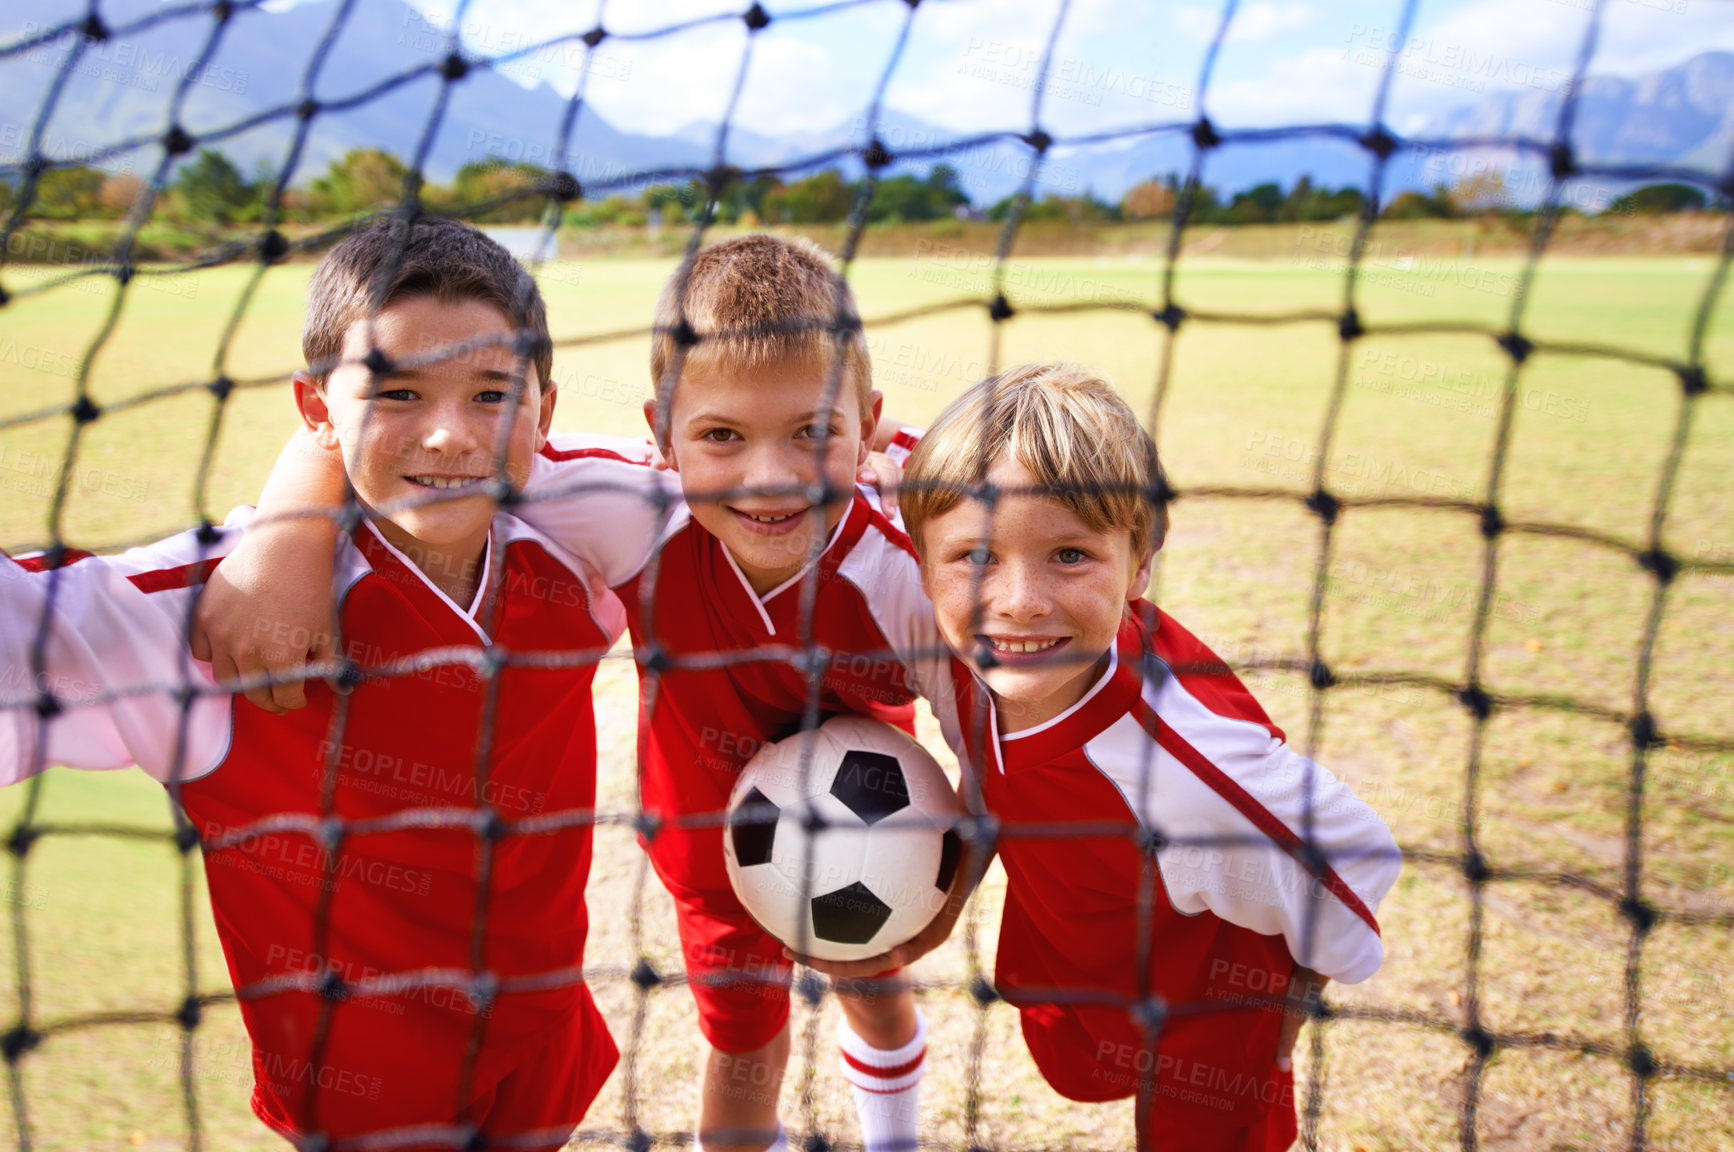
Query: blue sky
x=972, y=64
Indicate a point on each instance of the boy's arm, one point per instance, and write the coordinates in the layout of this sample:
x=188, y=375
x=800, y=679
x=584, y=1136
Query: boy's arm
x=269, y=608
x=107, y=691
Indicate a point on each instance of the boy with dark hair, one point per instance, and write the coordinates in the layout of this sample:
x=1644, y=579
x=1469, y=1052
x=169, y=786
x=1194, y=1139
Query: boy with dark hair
x=408, y=956
x=765, y=413
x=1035, y=502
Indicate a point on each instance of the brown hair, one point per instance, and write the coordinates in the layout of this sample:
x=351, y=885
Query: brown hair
x=1067, y=427
x=758, y=300
x=446, y=259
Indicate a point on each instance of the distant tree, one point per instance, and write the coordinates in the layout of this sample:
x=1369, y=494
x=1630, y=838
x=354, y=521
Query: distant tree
x=362, y=180
x=1077, y=210
x=70, y=193
x=1655, y=199
x=210, y=189
x=1479, y=194
x=1421, y=206
x=908, y=197
x=1259, y=204
x=486, y=180
x=1152, y=198
x=822, y=198
x=119, y=192
x=614, y=210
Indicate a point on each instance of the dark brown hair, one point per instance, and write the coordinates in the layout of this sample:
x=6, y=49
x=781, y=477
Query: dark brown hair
x=445, y=259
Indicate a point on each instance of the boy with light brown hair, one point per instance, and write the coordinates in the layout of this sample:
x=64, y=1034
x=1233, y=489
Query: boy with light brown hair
x=1141, y=960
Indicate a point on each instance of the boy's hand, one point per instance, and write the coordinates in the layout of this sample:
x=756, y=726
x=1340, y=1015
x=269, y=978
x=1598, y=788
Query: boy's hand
x=267, y=610
x=1303, y=987
x=884, y=474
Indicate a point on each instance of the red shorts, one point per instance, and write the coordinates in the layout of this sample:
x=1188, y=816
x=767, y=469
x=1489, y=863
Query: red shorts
x=532, y=1082
x=735, y=969
x=1201, y=1105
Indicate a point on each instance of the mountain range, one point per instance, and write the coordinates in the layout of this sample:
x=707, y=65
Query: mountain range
x=120, y=90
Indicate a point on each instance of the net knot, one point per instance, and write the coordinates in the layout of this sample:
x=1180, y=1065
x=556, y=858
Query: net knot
x=813, y=820
x=220, y=388
x=1000, y=308
x=273, y=246
x=93, y=28
x=331, y=986
x=17, y=1041
x=1039, y=140
x=981, y=831
x=644, y=975
x=454, y=67
x=639, y=1141
x=1660, y=564
x=1204, y=134
x=1379, y=142
x=876, y=155
x=20, y=841
x=1349, y=325
x=1641, y=1062
x=1475, y=869
x=1692, y=379
x=1150, y=1014
x=377, y=362
x=176, y=142
x=983, y=991
x=647, y=825
x=329, y=833
x=594, y=37
x=1641, y=913
x=684, y=333
x=1321, y=675
x=47, y=706
x=484, y=988
x=85, y=411
x=186, y=838
x=1151, y=842
x=1560, y=161
x=475, y=1141
x=1325, y=505
x=1516, y=345
x=812, y=989
x=1644, y=731
x=1492, y=523
x=1476, y=699
x=565, y=188
x=487, y=824
x=1172, y=315
x=307, y=109
x=756, y=17
x=222, y=10
x=190, y=1013
x=5, y=297
x=349, y=677
x=816, y=1142
x=1479, y=1039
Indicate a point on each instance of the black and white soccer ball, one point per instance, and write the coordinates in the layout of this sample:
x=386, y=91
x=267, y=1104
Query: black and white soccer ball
x=848, y=852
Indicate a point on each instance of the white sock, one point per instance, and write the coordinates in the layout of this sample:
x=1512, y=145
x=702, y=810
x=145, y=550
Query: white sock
x=887, y=1087
x=780, y=1144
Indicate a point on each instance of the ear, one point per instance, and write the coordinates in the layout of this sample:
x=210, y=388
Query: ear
x=1141, y=578
x=315, y=413
x=662, y=443
x=869, y=426
x=545, y=417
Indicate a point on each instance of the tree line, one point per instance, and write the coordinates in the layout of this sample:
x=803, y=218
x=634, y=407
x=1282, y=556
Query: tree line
x=210, y=190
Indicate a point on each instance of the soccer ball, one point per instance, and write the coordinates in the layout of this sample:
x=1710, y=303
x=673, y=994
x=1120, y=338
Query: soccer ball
x=840, y=841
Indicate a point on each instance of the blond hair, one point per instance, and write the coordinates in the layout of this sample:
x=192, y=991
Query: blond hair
x=757, y=301
x=1069, y=430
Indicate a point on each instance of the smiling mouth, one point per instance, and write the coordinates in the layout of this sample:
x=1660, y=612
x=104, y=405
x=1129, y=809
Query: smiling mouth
x=442, y=483
x=769, y=521
x=1009, y=646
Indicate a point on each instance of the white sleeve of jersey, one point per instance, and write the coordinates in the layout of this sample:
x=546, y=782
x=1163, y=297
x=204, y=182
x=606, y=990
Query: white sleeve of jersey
x=114, y=660
x=1232, y=802
x=597, y=497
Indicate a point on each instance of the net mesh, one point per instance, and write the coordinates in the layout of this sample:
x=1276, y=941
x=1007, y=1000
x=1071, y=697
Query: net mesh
x=1625, y=1044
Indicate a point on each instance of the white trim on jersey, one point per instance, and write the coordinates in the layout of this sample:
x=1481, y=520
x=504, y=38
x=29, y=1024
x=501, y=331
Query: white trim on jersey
x=598, y=498
x=467, y=615
x=1250, y=880
x=1093, y=691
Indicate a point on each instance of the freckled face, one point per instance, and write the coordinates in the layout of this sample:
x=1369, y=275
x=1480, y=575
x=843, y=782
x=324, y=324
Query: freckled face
x=1052, y=591
x=750, y=447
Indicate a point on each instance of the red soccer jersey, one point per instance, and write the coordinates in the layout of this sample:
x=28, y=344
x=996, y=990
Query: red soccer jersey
x=1169, y=742
x=403, y=900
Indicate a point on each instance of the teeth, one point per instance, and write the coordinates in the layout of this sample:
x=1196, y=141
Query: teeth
x=769, y=519
x=1021, y=646
x=443, y=481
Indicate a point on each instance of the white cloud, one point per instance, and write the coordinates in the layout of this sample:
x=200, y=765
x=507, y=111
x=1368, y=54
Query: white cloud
x=1256, y=22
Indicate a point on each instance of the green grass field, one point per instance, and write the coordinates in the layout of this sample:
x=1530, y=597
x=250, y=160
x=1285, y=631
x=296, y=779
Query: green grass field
x=1244, y=409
